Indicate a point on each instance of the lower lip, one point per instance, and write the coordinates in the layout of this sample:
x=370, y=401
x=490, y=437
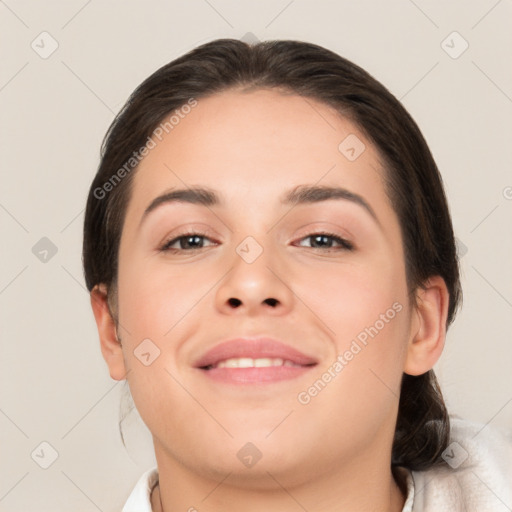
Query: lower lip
x=256, y=375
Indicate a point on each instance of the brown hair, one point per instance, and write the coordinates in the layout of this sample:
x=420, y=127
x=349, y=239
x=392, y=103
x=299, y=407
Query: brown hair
x=413, y=183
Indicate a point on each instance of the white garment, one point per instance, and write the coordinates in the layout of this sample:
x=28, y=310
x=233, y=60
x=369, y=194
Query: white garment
x=476, y=478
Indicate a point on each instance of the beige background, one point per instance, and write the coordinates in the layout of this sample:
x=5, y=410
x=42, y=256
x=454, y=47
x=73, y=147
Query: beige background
x=54, y=384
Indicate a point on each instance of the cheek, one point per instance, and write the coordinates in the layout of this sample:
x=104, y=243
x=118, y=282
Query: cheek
x=152, y=301
x=154, y=308
x=365, y=308
x=352, y=298
x=360, y=385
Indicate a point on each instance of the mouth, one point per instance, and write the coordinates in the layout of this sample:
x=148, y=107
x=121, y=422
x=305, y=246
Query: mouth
x=254, y=361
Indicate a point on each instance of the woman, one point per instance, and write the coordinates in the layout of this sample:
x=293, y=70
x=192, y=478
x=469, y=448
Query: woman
x=272, y=267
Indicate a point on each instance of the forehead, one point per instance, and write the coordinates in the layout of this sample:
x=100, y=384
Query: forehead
x=253, y=145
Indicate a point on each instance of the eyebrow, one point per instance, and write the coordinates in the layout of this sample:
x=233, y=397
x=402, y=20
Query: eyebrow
x=315, y=194
x=302, y=194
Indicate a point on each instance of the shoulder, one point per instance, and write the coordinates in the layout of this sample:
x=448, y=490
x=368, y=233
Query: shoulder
x=477, y=476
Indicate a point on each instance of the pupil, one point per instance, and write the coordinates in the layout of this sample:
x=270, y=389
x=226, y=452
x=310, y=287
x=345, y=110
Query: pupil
x=320, y=237
x=190, y=241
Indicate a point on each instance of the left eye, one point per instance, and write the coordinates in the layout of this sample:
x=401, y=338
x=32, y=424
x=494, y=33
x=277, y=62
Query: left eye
x=325, y=241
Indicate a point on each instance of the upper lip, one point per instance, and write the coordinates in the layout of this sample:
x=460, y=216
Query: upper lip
x=253, y=348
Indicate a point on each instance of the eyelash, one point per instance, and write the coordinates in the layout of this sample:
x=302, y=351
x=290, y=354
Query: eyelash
x=345, y=245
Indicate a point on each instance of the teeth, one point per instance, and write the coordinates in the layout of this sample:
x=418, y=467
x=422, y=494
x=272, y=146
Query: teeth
x=247, y=362
x=265, y=362
x=243, y=362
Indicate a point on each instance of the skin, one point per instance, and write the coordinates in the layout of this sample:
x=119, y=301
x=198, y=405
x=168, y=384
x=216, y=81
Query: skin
x=333, y=453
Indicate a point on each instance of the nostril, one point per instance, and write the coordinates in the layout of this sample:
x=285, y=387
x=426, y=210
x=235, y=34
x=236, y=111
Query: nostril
x=234, y=302
x=272, y=302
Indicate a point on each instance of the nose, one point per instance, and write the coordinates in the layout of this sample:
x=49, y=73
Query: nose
x=255, y=287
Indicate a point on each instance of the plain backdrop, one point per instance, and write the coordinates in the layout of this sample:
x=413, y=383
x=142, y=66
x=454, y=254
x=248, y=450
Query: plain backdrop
x=55, y=108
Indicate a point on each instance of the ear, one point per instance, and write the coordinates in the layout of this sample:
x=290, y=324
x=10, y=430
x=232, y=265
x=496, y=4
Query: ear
x=428, y=327
x=110, y=345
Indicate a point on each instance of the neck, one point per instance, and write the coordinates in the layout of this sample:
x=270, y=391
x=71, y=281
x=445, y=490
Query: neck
x=356, y=488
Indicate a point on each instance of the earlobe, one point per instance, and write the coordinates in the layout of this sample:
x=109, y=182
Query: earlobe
x=110, y=345
x=428, y=332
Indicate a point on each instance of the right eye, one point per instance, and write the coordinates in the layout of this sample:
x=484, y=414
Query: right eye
x=186, y=242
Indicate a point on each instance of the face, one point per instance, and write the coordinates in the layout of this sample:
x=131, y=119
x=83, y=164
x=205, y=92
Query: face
x=250, y=318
